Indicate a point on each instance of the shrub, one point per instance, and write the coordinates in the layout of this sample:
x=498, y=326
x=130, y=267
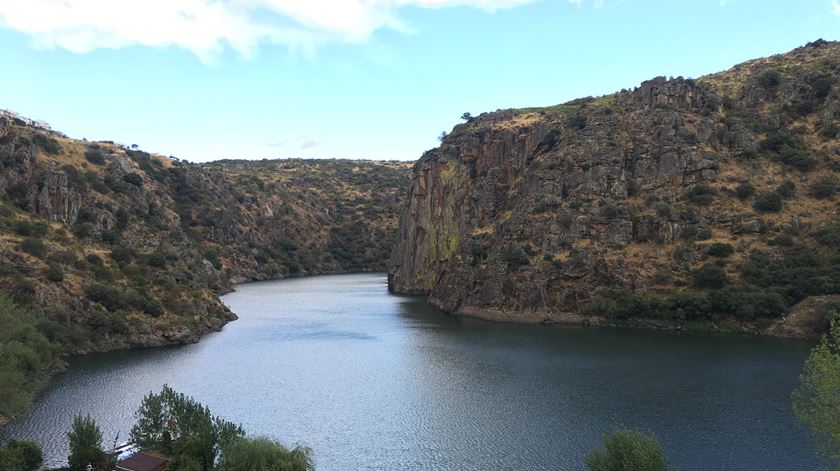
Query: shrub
x=157, y=260
x=48, y=144
x=662, y=209
x=720, y=250
x=33, y=246
x=825, y=187
x=54, y=272
x=133, y=178
x=610, y=211
x=628, y=450
x=577, y=122
x=515, y=257
x=82, y=230
x=20, y=455
x=94, y=155
x=769, y=79
x=744, y=191
x=701, y=194
x=122, y=255
x=709, y=277
x=768, y=202
x=828, y=235
x=787, y=189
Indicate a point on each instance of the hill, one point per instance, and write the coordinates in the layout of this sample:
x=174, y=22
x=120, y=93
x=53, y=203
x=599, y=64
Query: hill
x=711, y=201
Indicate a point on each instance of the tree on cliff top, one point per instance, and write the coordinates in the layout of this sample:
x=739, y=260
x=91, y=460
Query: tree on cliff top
x=816, y=402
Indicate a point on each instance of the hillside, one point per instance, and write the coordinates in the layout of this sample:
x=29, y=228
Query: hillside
x=104, y=247
x=710, y=201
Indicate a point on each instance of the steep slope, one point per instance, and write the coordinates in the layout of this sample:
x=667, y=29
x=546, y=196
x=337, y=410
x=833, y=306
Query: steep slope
x=712, y=199
x=104, y=247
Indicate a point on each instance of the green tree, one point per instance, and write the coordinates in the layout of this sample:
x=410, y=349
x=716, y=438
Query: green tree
x=628, y=450
x=179, y=425
x=20, y=455
x=85, y=445
x=265, y=454
x=816, y=402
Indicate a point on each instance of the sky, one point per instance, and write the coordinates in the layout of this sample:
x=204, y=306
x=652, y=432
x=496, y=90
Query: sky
x=381, y=79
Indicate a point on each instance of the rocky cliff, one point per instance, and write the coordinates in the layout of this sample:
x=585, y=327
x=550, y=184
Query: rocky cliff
x=710, y=199
x=112, y=247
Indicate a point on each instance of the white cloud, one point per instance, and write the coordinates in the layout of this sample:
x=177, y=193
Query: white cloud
x=307, y=143
x=207, y=27
x=835, y=7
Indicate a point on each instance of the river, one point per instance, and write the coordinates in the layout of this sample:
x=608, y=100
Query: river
x=375, y=381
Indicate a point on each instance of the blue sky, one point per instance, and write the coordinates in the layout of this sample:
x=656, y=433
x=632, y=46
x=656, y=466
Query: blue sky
x=209, y=79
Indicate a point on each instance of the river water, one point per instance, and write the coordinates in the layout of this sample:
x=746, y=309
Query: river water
x=374, y=381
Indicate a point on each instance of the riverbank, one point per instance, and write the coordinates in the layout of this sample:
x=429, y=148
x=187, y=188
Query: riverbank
x=805, y=320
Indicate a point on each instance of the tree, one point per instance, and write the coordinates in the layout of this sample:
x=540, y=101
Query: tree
x=443, y=136
x=816, y=402
x=85, y=445
x=265, y=454
x=20, y=455
x=179, y=425
x=628, y=450
x=467, y=117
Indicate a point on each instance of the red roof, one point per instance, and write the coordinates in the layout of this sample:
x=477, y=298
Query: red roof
x=143, y=462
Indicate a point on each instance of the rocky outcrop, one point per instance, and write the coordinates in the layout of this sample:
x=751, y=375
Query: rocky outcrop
x=529, y=213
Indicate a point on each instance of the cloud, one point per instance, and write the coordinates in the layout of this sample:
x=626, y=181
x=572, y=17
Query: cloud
x=208, y=27
x=277, y=144
x=307, y=143
x=835, y=7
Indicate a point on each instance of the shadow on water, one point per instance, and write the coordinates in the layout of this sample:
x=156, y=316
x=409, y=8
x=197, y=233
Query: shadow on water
x=378, y=381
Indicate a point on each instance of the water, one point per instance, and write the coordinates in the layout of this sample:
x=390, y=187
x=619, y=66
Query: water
x=376, y=381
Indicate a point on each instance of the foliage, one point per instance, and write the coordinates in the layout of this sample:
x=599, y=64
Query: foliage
x=828, y=235
x=133, y=178
x=54, y=272
x=824, y=188
x=628, y=450
x=467, y=116
x=85, y=439
x=20, y=455
x=744, y=191
x=265, y=454
x=28, y=350
x=701, y=195
x=796, y=273
x=515, y=256
x=816, y=401
x=48, y=144
x=709, y=277
x=34, y=246
x=720, y=250
x=768, y=202
x=787, y=189
x=180, y=426
x=769, y=79
x=576, y=122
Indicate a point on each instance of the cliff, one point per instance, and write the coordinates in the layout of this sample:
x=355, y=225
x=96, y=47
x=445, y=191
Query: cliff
x=709, y=200
x=111, y=247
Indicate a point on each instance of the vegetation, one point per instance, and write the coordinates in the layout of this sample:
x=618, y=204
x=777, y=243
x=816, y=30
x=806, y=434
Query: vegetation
x=181, y=427
x=29, y=348
x=824, y=188
x=20, y=455
x=816, y=402
x=769, y=202
x=701, y=195
x=265, y=454
x=628, y=450
x=86, y=446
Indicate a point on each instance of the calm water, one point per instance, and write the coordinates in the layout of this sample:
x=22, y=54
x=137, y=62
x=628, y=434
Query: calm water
x=376, y=381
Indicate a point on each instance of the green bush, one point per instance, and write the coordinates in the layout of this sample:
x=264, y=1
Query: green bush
x=769, y=79
x=515, y=257
x=720, y=250
x=828, y=235
x=93, y=154
x=628, y=450
x=264, y=454
x=701, y=195
x=787, y=189
x=610, y=211
x=769, y=202
x=86, y=445
x=577, y=122
x=20, y=455
x=133, y=178
x=122, y=255
x=744, y=191
x=34, y=246
x=157, y=260
x=824, y=188
x=48, y=144
x=54, y=272
x=82, y=230
x=709, y=277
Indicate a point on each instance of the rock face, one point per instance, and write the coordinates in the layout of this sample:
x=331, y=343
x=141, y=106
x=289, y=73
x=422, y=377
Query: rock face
x=529, y=212
x=120, y=249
